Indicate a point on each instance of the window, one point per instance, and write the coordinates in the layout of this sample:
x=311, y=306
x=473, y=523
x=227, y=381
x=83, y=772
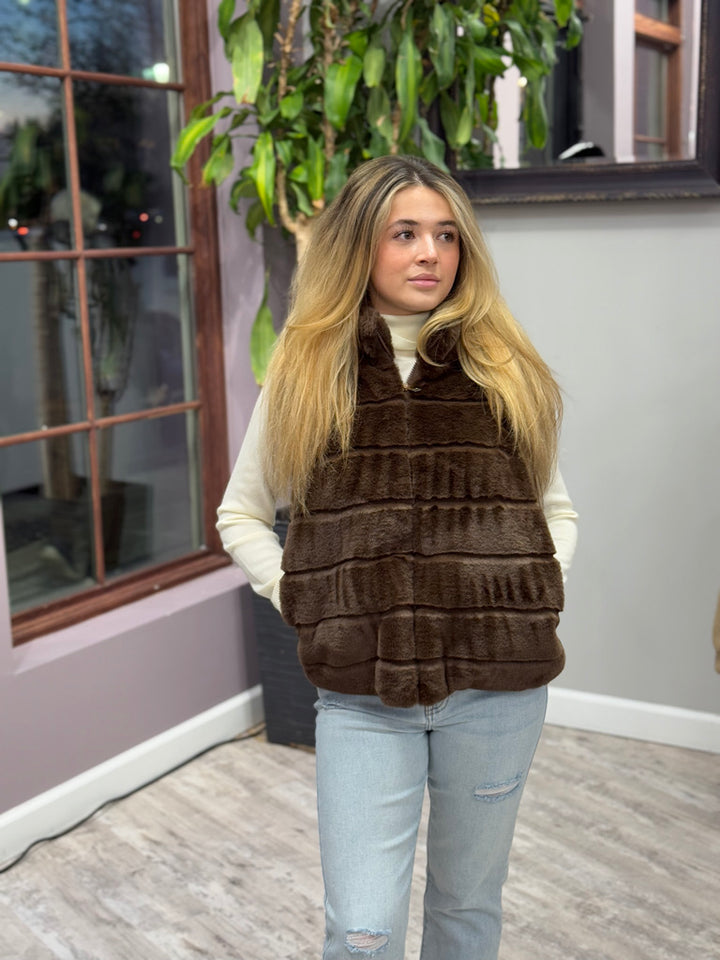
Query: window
x=658, y=79
x=112, y=422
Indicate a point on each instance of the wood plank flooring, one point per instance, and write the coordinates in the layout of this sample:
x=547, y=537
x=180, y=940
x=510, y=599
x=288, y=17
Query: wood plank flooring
x=616, y=857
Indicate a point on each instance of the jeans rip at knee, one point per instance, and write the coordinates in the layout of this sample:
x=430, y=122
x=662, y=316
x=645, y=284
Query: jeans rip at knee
x=495, y=792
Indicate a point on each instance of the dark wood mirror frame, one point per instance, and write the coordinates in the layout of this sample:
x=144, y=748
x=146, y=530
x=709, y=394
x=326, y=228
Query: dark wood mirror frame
x=668, y=179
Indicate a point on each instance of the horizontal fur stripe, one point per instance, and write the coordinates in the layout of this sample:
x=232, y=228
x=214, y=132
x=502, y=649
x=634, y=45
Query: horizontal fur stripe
x=405, y=685
x=404, y=421
x=358, y=587
x=362, y=532
x=443, y=583
x=461, y=473
x=403, y=636
x=530, y=583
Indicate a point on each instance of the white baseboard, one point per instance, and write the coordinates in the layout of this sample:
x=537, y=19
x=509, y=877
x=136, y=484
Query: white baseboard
x=67, y=804
x=634, y=719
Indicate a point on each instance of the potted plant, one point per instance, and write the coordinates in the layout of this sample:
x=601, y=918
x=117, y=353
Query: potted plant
x=318, y=87
x=322, y=86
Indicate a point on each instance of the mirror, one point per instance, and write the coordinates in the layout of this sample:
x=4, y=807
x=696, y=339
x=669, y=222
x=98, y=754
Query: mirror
x=633, y=111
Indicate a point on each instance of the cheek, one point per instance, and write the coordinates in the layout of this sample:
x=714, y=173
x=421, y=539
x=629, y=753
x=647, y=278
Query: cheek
x=386, y=269
x=452, y=263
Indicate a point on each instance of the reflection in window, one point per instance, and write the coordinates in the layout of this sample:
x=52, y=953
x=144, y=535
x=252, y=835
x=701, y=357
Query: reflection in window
x=129, y=37
x=659, y=132
x=140, y=333
x=657, y=9
x=47, y=514
x=150, y=491
x=124, y=144
x=34, y=203
x=650, y=102
x=29, y=32
x=40, y=347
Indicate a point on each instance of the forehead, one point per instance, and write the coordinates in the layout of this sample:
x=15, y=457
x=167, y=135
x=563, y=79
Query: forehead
x=420, y=203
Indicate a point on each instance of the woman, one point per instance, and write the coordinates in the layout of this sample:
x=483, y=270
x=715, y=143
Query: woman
x=413, y=428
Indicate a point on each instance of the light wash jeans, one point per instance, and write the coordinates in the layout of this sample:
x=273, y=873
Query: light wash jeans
x=473, y=750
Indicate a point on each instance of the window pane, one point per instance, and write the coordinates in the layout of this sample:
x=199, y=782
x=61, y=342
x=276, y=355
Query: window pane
x=34, y=202
x=141, y=333
x=650, y=91
x=156, y=510
x=124, y=145
x=134, y=38
x=46, y=512
x=657, y=9
x=649, y=151
x=40, y=347
x=29, y=32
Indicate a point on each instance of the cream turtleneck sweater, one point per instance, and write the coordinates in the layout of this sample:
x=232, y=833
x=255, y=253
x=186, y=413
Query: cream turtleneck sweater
x=247, y=513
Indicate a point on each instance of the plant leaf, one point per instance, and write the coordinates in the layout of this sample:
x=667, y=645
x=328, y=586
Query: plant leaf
x=442, y=44
x=408, y=74
x=242, y=189
x=262, y=339
x=224, y=17
x=262, y=172
x=575, y=31
x=283, y=151
x=433, y=147
x=220, y=163
x=490, y=60
x=340, y=82
x=303, y=203
x=336, y=175
x=378, y=113
x=535, y=113
x=188, y=139
x=291, y=105
x=316, y=170
x=268, y=13
x=374, y=65
x=254, y=217
x=563, y=9
x=457, y=121
x=357, y=41
x=248, y=59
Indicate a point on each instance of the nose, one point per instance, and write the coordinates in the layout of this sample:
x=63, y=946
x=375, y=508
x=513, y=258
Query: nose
x=427, y=250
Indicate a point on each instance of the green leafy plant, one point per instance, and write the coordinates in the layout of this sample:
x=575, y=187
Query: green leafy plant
x=323, y=86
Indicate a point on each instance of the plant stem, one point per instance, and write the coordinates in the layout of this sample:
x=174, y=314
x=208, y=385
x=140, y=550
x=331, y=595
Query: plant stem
x=286, y=46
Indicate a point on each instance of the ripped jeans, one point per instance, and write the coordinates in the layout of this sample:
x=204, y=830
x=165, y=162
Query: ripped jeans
x=473, y=750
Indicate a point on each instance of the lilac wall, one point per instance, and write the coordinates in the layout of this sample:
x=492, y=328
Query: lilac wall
x=76, y=698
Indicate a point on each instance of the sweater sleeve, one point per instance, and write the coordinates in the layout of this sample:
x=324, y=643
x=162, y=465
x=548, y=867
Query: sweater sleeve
x=562, y=521
x=247, y=513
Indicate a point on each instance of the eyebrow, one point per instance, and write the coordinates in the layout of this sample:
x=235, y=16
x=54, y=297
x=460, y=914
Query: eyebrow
x=416, y=223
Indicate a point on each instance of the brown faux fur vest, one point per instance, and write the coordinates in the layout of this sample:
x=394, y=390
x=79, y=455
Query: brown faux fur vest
x=425, y=564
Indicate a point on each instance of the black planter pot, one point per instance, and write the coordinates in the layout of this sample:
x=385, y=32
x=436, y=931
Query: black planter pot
x=288, y=696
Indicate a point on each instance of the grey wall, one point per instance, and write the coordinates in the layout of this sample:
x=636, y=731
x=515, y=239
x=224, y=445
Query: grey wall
x=622, y=300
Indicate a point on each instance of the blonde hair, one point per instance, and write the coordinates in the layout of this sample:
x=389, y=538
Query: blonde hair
x=311, y=384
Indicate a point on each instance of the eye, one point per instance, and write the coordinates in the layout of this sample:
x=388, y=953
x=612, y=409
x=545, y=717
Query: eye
x=449, y=236
x=403, y=235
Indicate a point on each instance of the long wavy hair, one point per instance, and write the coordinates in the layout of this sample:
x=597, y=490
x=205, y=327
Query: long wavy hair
x=310, y=391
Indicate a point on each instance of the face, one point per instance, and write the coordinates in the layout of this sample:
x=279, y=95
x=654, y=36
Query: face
x=418, y=255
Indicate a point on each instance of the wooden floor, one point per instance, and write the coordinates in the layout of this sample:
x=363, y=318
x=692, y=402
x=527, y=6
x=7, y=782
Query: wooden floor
x=617, y=857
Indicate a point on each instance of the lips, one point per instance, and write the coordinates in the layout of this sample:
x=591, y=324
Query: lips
x=426, y=280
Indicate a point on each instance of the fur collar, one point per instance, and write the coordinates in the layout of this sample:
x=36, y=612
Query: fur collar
x=375, y=341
